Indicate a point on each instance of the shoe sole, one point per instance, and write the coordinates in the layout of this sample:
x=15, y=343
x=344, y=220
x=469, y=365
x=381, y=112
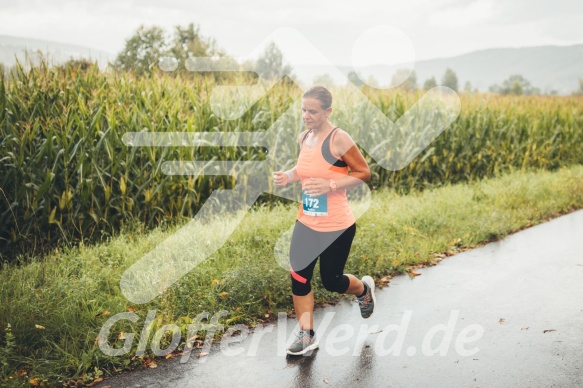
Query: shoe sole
x=306, y=350
x=371, y=285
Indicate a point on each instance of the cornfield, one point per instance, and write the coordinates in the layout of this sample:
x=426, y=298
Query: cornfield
x=66, y=175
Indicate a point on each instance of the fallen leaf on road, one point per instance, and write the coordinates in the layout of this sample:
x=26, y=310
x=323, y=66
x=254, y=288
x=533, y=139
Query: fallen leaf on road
x=413, y=273
x=548, y=331
x=153, y=365
x=147, y=361
x=501, y=321
x=203, y=354
x=97, y=380
x=325, y=381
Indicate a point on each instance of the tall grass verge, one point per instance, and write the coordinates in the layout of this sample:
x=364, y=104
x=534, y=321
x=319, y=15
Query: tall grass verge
x=67, y=178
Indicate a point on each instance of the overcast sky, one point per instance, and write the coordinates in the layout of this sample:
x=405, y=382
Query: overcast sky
x=435, y=28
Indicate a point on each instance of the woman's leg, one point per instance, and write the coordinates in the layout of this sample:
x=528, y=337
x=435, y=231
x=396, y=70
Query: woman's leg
x=304, y=307
x=333, y=261
x=356, y=286
x=303, y=255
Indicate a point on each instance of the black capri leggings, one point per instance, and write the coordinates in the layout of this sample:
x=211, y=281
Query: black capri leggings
x=332, y=248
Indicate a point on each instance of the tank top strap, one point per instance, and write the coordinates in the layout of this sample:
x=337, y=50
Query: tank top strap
x=327, y=152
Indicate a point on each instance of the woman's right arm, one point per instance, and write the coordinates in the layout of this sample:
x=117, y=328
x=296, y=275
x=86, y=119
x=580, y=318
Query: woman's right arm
x=283, y=178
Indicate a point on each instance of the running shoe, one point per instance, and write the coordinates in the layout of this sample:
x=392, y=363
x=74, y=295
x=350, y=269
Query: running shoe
x=367, y=302
x=303, y=343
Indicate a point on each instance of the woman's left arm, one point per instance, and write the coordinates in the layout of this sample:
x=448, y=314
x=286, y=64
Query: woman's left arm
x=359, y=171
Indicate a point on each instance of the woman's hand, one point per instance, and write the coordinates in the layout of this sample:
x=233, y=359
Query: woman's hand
x=317, y=186
x=280, y=178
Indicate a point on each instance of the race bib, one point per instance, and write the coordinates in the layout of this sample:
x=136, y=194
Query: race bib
x=315, y=206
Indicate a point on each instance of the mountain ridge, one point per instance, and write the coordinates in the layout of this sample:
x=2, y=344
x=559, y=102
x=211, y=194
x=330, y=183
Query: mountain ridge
x=547, y=67
x=12, y=47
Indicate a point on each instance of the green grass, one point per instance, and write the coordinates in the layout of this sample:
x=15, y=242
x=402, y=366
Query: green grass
x=67, y=292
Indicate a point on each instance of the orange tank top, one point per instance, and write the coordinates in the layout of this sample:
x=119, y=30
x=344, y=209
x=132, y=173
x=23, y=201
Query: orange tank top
x=318, y=162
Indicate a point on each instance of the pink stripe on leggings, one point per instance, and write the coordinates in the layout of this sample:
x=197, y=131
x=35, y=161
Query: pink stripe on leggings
x=298, y=277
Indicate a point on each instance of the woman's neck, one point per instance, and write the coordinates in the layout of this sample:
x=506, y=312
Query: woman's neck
x=324, y=128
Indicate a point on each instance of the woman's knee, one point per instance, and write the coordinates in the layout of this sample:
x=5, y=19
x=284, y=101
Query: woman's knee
x=336, y=283
x=300, y=289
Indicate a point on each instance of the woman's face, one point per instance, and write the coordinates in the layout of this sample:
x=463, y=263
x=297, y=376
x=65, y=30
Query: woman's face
x=312, y=113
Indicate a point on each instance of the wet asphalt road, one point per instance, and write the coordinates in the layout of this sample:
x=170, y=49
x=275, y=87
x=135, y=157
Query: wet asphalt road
x=506, y=314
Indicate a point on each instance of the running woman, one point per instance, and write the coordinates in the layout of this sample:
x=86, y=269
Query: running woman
x=329, y=163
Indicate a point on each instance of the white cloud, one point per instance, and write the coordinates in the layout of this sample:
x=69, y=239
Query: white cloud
x=436, y=28
x=476, y=12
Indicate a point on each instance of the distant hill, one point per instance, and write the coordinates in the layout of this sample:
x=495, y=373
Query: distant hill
x=13, y=47
x=546, y=67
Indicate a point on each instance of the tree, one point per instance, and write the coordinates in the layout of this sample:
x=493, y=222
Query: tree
x=147, y=46
x=324, y=80
x=405, y=79
x=372, y=81
x=270, y=63
x=188, y=42
x=468, y=87
x=450, y=79
x=516, y=85
x=430, y=83
x=142, y=50
x=355, y=79
x=79, y=65
x=580, y=91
